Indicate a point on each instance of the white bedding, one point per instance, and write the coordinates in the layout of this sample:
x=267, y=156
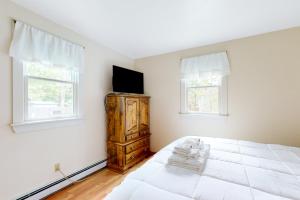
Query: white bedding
x=235, y=170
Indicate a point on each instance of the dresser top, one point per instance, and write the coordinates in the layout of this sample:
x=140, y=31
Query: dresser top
x=126, y=94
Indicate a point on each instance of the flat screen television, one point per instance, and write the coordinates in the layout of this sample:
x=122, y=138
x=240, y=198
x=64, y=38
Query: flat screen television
x=127, y=81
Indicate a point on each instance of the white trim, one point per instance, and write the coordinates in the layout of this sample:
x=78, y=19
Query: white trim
x=44, y=125
x=223, y=95
x=65, y=183
x=48, y=79
x=182, y=97
x=18, y=92
x=213, y=115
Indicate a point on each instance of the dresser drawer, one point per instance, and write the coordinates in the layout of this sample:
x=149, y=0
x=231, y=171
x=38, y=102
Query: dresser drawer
x=136, y=154
x=136, y=145
x=132, y=136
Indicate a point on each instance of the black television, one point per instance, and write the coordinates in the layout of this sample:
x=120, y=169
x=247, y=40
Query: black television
x=127, y=81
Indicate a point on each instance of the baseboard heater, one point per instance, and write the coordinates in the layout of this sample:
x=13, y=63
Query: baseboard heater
x=61, y=183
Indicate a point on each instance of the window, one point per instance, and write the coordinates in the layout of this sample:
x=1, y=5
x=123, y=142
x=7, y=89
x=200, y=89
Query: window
x=47, y=77
x=44, y=94
x=203, y=88
x=204, y=96
x=49, y=92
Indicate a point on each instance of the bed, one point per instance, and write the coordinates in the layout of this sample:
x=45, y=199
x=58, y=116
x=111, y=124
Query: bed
x=235, y=170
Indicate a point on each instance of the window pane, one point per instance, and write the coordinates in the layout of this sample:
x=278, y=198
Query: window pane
x=49, y=99
x=204, y=81
x=40, y=70
x=203, y=99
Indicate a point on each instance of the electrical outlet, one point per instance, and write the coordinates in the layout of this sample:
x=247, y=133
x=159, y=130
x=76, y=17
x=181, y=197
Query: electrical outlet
x=56, y=167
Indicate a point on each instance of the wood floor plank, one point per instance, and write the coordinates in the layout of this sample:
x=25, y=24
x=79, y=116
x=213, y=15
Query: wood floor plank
x=95, y=187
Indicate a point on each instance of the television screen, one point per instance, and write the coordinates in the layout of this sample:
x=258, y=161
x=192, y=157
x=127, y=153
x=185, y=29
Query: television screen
x=127, y=81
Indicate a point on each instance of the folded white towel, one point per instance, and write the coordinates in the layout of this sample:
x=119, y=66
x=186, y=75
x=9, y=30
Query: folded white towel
x=191, y=164
x=192, y=140
x=196, y=169
x=192, y=157
x=187, y=146
x=194, y=153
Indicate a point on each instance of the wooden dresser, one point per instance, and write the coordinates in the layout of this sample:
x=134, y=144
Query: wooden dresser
x=128, y=130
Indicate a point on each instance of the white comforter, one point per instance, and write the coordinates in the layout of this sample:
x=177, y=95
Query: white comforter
x=235, y=170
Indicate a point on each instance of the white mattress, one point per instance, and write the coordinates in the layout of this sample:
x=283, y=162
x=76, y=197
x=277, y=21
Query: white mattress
x=235, y=170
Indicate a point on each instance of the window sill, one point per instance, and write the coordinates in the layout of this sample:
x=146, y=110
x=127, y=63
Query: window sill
x=203, y=114
x=44, y=125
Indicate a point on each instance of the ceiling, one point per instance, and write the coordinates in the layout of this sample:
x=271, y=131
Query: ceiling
x=141, y=28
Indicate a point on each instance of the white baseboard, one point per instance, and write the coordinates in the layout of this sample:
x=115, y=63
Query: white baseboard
x=53, y=187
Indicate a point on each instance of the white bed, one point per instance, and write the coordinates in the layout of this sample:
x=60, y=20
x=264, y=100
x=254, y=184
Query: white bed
x=235, y=170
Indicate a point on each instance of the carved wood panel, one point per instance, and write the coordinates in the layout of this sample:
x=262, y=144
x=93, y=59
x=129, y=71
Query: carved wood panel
x=132, y=115
x=144, y=114
x=115, y=118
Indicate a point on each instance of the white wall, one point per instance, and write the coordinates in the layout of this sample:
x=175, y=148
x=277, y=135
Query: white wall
x=264, y=92
x=27, y=159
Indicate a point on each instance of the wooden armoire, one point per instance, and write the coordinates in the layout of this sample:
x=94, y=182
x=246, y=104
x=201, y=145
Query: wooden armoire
x=128, y=130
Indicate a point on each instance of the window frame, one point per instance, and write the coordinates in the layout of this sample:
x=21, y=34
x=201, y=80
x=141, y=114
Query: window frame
x=223, y=98
x=21, y=123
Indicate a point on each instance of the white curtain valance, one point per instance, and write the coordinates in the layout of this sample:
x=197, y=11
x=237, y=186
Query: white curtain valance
x=215, y=64
x=33, y=45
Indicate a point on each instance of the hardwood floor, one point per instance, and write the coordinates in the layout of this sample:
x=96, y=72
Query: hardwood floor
x=96, y=186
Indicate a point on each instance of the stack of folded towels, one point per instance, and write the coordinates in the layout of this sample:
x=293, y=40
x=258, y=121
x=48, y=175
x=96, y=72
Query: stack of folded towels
x=190, y=154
